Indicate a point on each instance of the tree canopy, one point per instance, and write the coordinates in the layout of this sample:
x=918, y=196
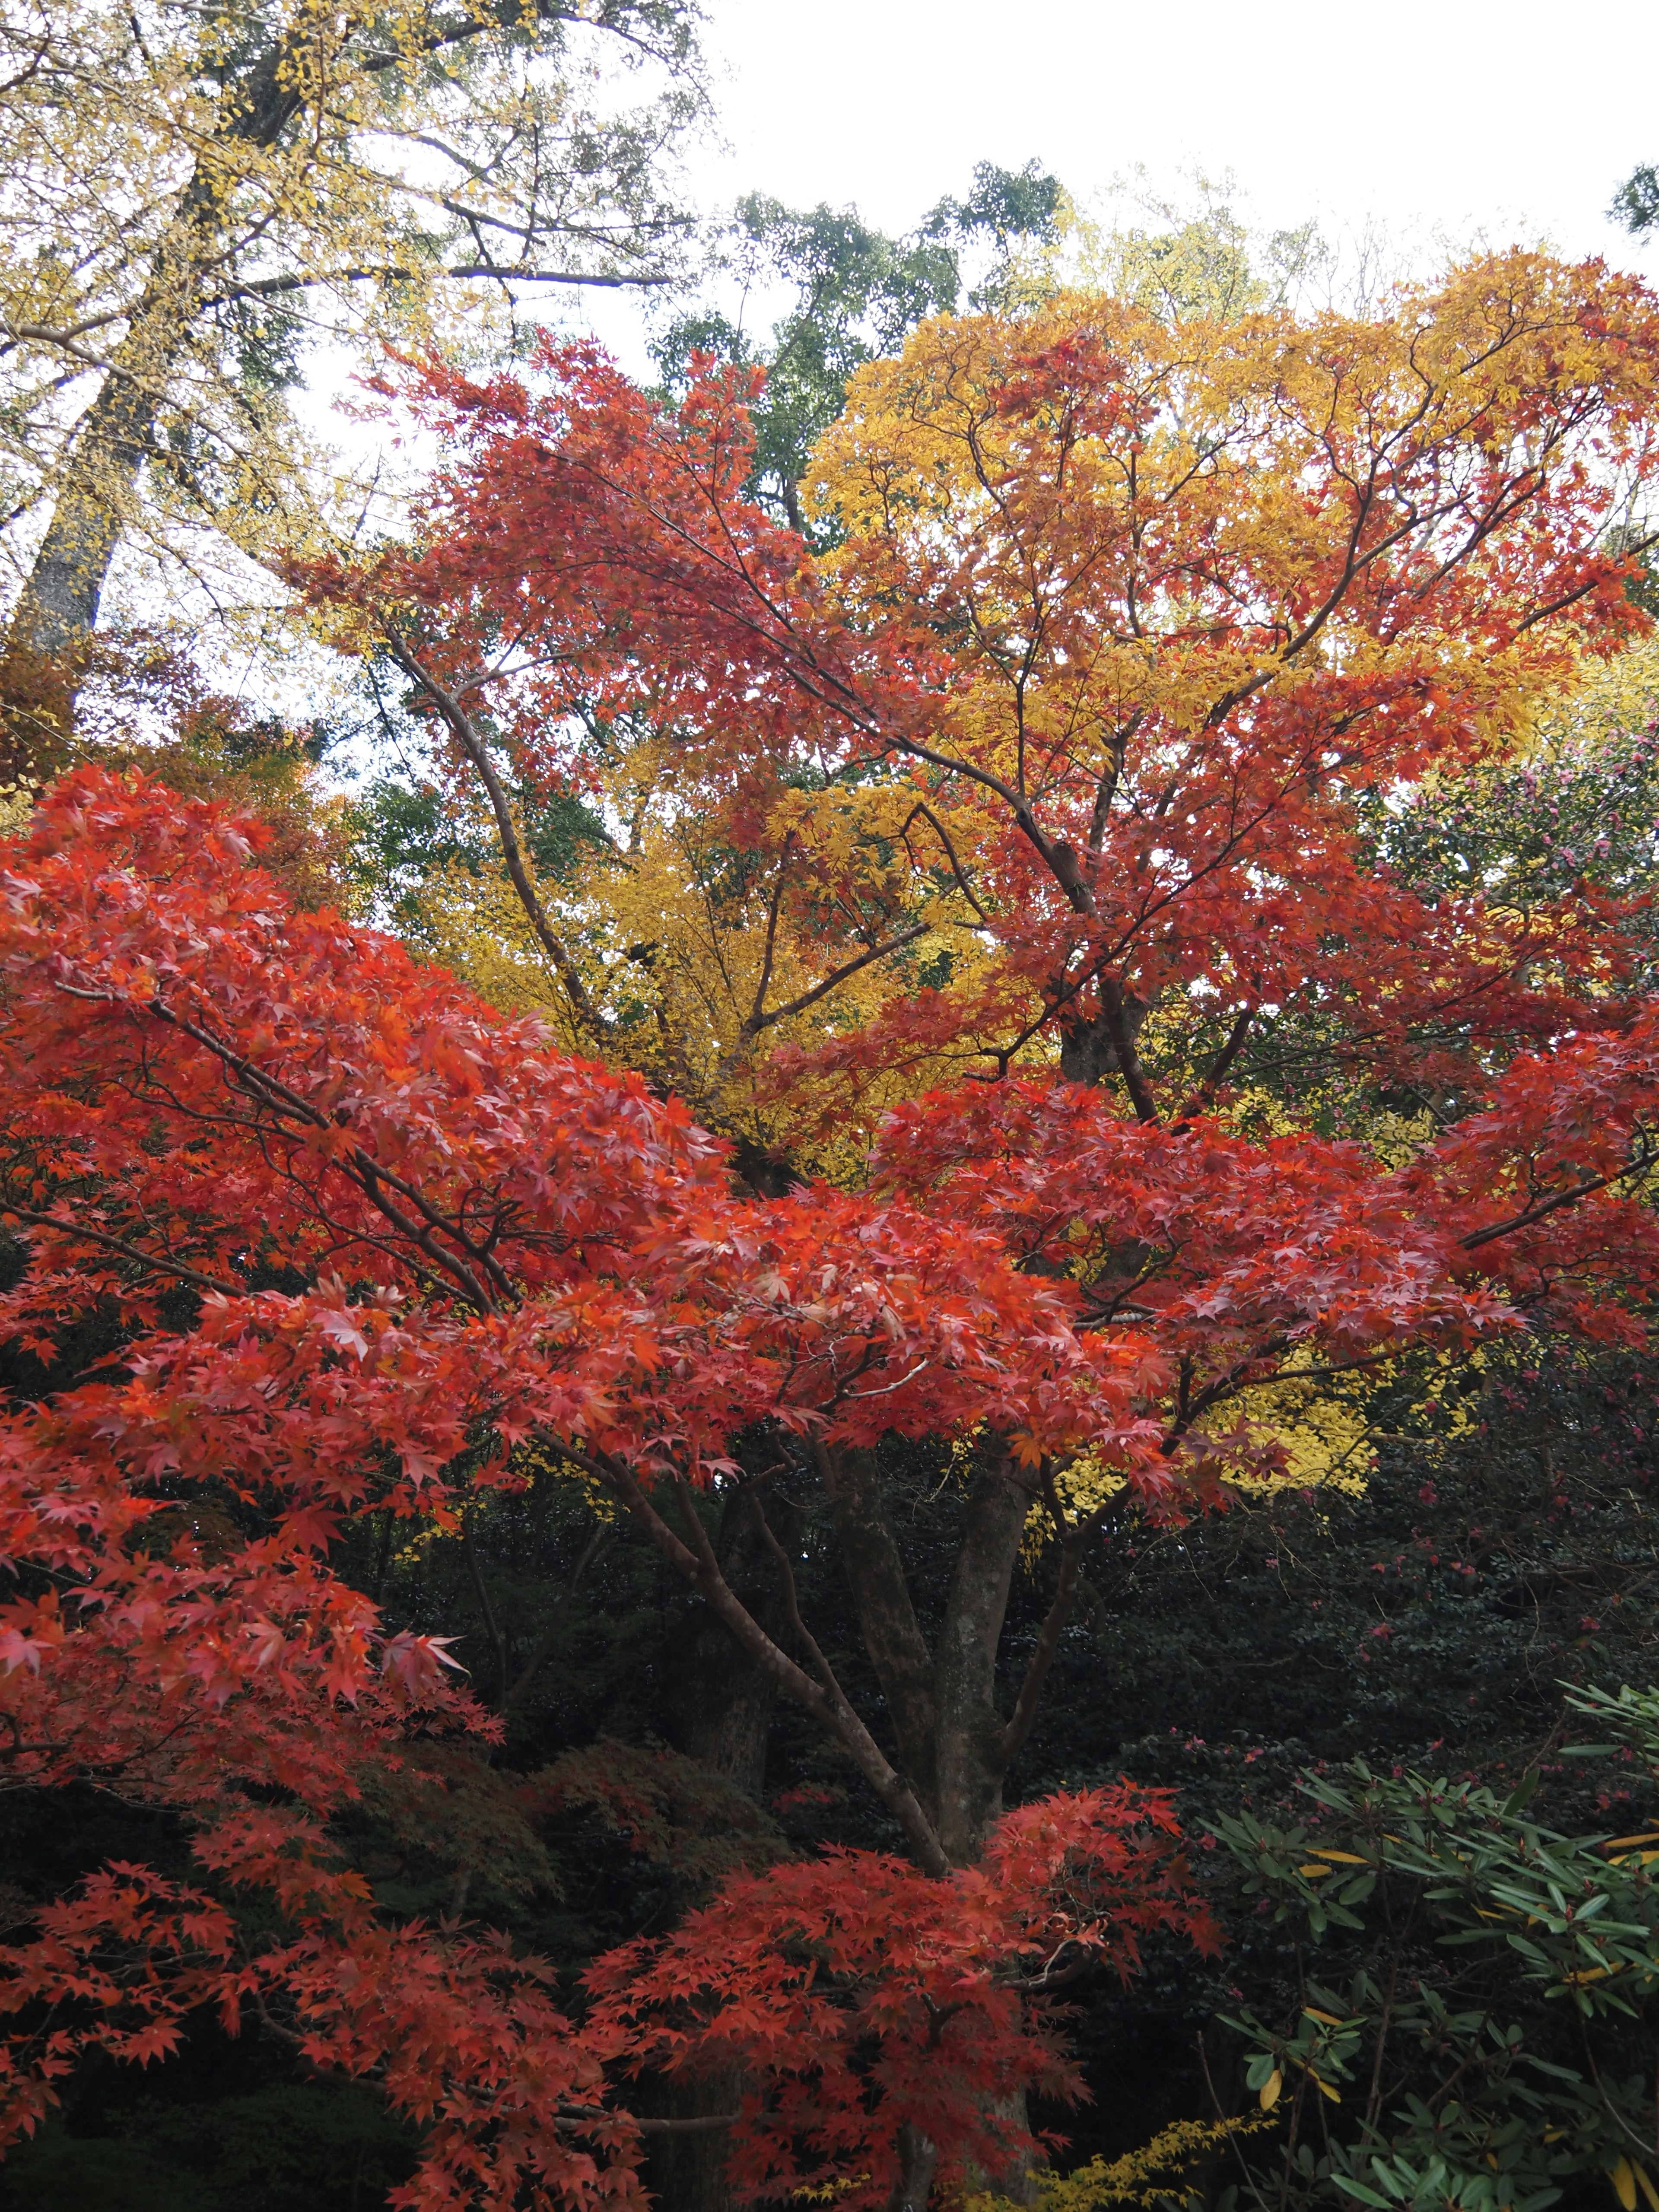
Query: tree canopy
x=1000, y=1024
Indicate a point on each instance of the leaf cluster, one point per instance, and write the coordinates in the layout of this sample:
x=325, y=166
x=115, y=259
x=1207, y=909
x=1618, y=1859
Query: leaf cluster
x=1496, y=1969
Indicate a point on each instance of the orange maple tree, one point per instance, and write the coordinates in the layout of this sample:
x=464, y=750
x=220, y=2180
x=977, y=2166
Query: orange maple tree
x=1122, y=621
x=1128, y=630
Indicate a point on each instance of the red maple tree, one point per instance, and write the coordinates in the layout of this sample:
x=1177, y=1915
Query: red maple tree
x=201, y=1082
x=1134, y=691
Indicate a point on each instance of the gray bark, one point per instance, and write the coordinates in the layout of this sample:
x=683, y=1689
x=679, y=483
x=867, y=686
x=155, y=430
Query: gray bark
x=59, y=606
x=952, y=1740
x=918, y=2157
x=1088, y=1046
x=41, y=663
x=971, y=1758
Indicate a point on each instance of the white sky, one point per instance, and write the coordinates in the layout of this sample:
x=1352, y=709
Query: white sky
x=1518, y=120
x=1460, y=118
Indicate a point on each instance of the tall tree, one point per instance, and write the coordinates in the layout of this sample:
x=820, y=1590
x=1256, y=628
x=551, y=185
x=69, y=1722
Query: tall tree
x=1051, y=765
x=858, y=295
x=1636, y=203
x=194, y=198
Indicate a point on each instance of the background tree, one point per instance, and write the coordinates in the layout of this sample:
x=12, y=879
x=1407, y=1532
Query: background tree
x=1636, y=201
x=857, y=295
x=193, y=202
x=851, y=834
x=431, y=863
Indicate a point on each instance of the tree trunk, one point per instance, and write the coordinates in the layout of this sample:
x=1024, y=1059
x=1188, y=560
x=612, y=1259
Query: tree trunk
x=44, y=656
x=972, y=1751
x=42, y=660
x=917, y=2158
x=1089, y=1044
x=721, y=1706
x=687, y=2173
x=720, y=1702
x=59, y=602
x=892, y=1635
x=954, y=1745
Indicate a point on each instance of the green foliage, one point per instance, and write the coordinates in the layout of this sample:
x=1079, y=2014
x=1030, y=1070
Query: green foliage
x=405, y=842
x=1636, y=203
x=289, y=2147
x=1582, y=804
x=857, y=294
x=1005, y=205
x=1474, y=2012
x=1502, y=1543
x=401, y=833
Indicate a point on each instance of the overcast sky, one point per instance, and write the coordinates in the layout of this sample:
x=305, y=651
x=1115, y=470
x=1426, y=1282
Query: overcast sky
x=1519, y=120
x=1510, y=123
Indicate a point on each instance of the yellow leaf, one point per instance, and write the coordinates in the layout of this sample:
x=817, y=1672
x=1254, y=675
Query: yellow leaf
x=1312, y=1871
x=1624, y=2183
x=1346, y=1858
x=1330, y=2019
x=1647, y=2187
x=1270, y=2089
x=1326, y=2088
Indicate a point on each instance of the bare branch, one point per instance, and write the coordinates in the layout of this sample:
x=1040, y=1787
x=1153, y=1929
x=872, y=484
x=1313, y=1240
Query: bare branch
x=833, y=1714
x=473, y=744
x=161, y=1263
x=1545, y=1207
x=832, y=981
